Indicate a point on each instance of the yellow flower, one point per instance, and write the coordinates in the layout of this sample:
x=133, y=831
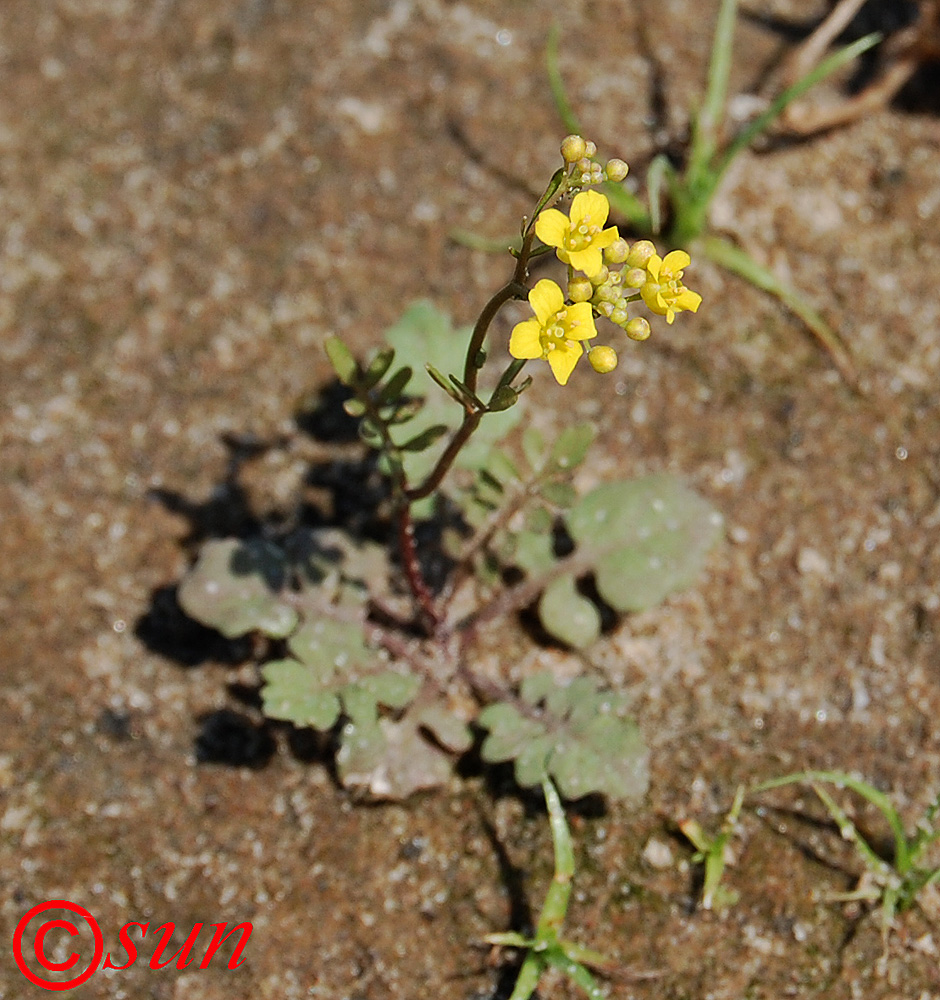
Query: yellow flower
x=663, y=291
x=580, y=239
x=556, y=333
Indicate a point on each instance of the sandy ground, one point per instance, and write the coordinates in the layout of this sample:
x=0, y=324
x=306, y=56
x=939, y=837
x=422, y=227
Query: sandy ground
x=193, y=195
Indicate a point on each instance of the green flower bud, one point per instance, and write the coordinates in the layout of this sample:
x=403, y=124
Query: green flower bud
x=573, y=148
x=590, y=149
x=580, y=289
x=635, y=277
x=600, y=277
x=603, y=359
x=637, y=329
x=617, y=252
x=640, y=253
x=619, y=315
x=616, y=170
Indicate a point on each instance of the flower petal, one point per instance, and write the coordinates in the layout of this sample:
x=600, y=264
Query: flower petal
x=579, y=322
x=653, y=266
x=677, y=260
x=687, y=299
x=653, y=298
x=589, y=260
x=591, y=207
x=546, y=299
x=552, y=227
x=605, y=238
x=563, y=359
x=526, y=341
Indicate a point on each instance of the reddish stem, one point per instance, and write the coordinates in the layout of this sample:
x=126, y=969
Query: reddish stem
x=412, y=568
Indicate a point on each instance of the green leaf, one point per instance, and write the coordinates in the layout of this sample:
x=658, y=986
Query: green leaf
x=325, y=560
x=648, y=537
x=571, y=447
x=384, y=759
x=291, y=693
x=560, y=494
x=332, y=649
x=342, y=360
x=503, y=397
x=533, y=447
x=233, y=587
x=576, y=734
x=377, y=367
x=568, y=615
x=392, y=391
x=370, y=433
x=392, y=689
x=533, y=551
x=501, y=466
x=424, y=440
x=452, y=733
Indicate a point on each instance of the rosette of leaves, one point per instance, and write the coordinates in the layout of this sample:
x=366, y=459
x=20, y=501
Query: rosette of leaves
x=394, y=736
x=409, y=387
x=577, y=734
x=333, y=680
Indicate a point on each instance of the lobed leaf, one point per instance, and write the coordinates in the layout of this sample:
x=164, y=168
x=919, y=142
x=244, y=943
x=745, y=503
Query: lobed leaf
x=576, y=734
x=648, y=537
x=575, y=620
x=233, y=587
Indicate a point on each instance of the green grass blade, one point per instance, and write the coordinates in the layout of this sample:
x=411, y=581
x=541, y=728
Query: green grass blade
x=849, y=831
x=902, y=855
x=779, y=105
x=657, y=175
x=556, y=84
x=708, y=122
x=556, y=899
x=576, y=973
x=528, y=978
x=738, y=261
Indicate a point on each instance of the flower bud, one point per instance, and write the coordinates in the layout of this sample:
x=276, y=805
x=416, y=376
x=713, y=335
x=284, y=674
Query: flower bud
x=640, y=253
x=580, y=289
x=601, y=276
x=617, y=252
x=637, y=329
x=635, y=277
x=617, y=170
x=590, y=149
x=603, y=359
x=573, y=148
x=619, y=315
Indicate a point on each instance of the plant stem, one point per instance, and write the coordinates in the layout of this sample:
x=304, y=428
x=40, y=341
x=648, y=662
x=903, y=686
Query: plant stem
x=412, y=567
x=513, y=289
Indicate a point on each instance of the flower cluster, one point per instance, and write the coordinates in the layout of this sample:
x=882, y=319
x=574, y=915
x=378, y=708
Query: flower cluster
x=605, y=274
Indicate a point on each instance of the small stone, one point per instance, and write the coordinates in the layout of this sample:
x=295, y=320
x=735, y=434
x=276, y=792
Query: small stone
x=658, y=854
x=809, y=561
